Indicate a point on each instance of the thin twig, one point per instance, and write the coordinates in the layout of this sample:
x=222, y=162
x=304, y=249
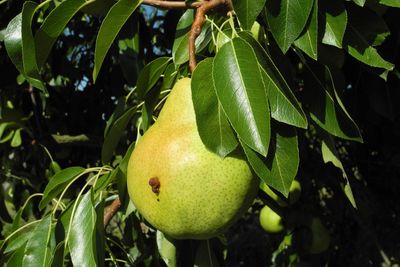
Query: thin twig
x=198, y=23
x=110, y=211
x=173, y=4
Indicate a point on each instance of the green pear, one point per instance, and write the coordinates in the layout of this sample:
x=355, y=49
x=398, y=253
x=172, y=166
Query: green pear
x=270, y=221
x=179, y=186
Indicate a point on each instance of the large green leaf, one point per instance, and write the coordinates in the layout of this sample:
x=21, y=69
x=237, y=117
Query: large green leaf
x=308, y=40
x=335, y=22
x=330, y=154
x=150, y=75
x=28, y=44
x=81, y=241
x=286, y=19
x=109, y=29
x=16, y=258
x=240, y=90
x=365, y=30
x=114, y=135
x=279, y=168
x=57, y=182
x=40, y=246
x=180, y=48
x=322, y=87
x=213, y=126
x=283, y=103
x=53, y=26
x=13, y=42
x=247, y=11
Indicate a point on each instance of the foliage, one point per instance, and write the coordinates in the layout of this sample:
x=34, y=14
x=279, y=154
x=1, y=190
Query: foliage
x=305, y=89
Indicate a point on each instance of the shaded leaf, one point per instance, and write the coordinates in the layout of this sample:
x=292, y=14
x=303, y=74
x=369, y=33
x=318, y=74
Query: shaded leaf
x=283, y=103
x=247, y=11
x=279, y=168
x=111, y=25
x=150, y=75
x=213, y=126
x=81, y=241
x=114, y=135
x=393, y=3
x=286, y=19
x=205, y=256
x=308, y=40
x=240, y=90
x=16, y=258
x=166, y=249
x=57, y=183
x=16, y=140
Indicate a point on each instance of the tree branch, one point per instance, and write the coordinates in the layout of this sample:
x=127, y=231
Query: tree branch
x=173, y=4
x=110, y=211
x=198, y=24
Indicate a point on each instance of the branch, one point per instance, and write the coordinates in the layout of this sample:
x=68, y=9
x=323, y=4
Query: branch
x=172, y=4
x=198, y=24
x=110, y=211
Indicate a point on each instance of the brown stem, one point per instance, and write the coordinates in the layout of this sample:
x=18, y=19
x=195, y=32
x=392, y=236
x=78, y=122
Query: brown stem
x=198, y=23
x=172, y=4
x=110, y=211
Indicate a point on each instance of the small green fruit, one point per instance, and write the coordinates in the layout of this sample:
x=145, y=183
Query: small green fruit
x=294, y=192
x=320, y=237
x=270, y=221
x=180, y=187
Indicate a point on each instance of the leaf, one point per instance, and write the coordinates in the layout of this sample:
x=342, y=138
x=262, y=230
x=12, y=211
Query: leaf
x=240, y=90
x=111, y=25
x=19, y=241
x=180, y=48
x=81, y=241
x=330, y=154
x=150, y=75
x=57, y=182
x=16, y=258
x=283, y=103
x=392, y=3
x=40, y=246
x=16, y=140
x=205, y=256
x=308, y=41
x=279, y=168
x=247, y=11
x=335, y=22
x=166, y=249
x=286, y=19
x=364, y=31
x=213, y=126
x=13, y=42
x=114, y=135
x=99, y=232
x=359, y=2
x=53, y=25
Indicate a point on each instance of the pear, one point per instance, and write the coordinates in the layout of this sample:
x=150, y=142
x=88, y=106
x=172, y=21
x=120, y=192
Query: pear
x=180, y=187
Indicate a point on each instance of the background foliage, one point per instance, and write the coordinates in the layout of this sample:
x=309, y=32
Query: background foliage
x=315, y=92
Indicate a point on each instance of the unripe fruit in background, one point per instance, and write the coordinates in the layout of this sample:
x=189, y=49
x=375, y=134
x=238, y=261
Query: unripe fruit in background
x=270, y=221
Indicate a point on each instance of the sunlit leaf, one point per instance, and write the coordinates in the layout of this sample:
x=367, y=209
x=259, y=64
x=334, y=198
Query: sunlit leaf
x=247, y=11
x=308, y=40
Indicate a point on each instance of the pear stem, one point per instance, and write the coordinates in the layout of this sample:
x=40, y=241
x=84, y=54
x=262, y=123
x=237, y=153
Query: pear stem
x=110, y=211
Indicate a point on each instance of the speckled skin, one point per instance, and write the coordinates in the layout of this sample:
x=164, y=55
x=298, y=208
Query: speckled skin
x=200, y=194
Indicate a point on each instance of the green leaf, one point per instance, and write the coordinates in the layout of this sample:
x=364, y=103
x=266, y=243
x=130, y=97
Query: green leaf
x=286, y=19
x=40, y=246
x=279, y=168
x=53, y=26
x=16, y=258
x=111, y=25
x=240, y=90
x=365, y=30
x=213, y=126
x=150, y=75
x=247, y=11
x=99, y=232
x=180, y=48
x=81, y=241
x=359, y=2
x=321, y=87
x=330, y=154
x=57, y=182
x=392, y=3
x=283, y=103
x=16, y=140
x=205, y=255
x=114, y=135
x=308, y=40
x=166, y=249
x=335, y=22
x=19, y=241
x=13, y=42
